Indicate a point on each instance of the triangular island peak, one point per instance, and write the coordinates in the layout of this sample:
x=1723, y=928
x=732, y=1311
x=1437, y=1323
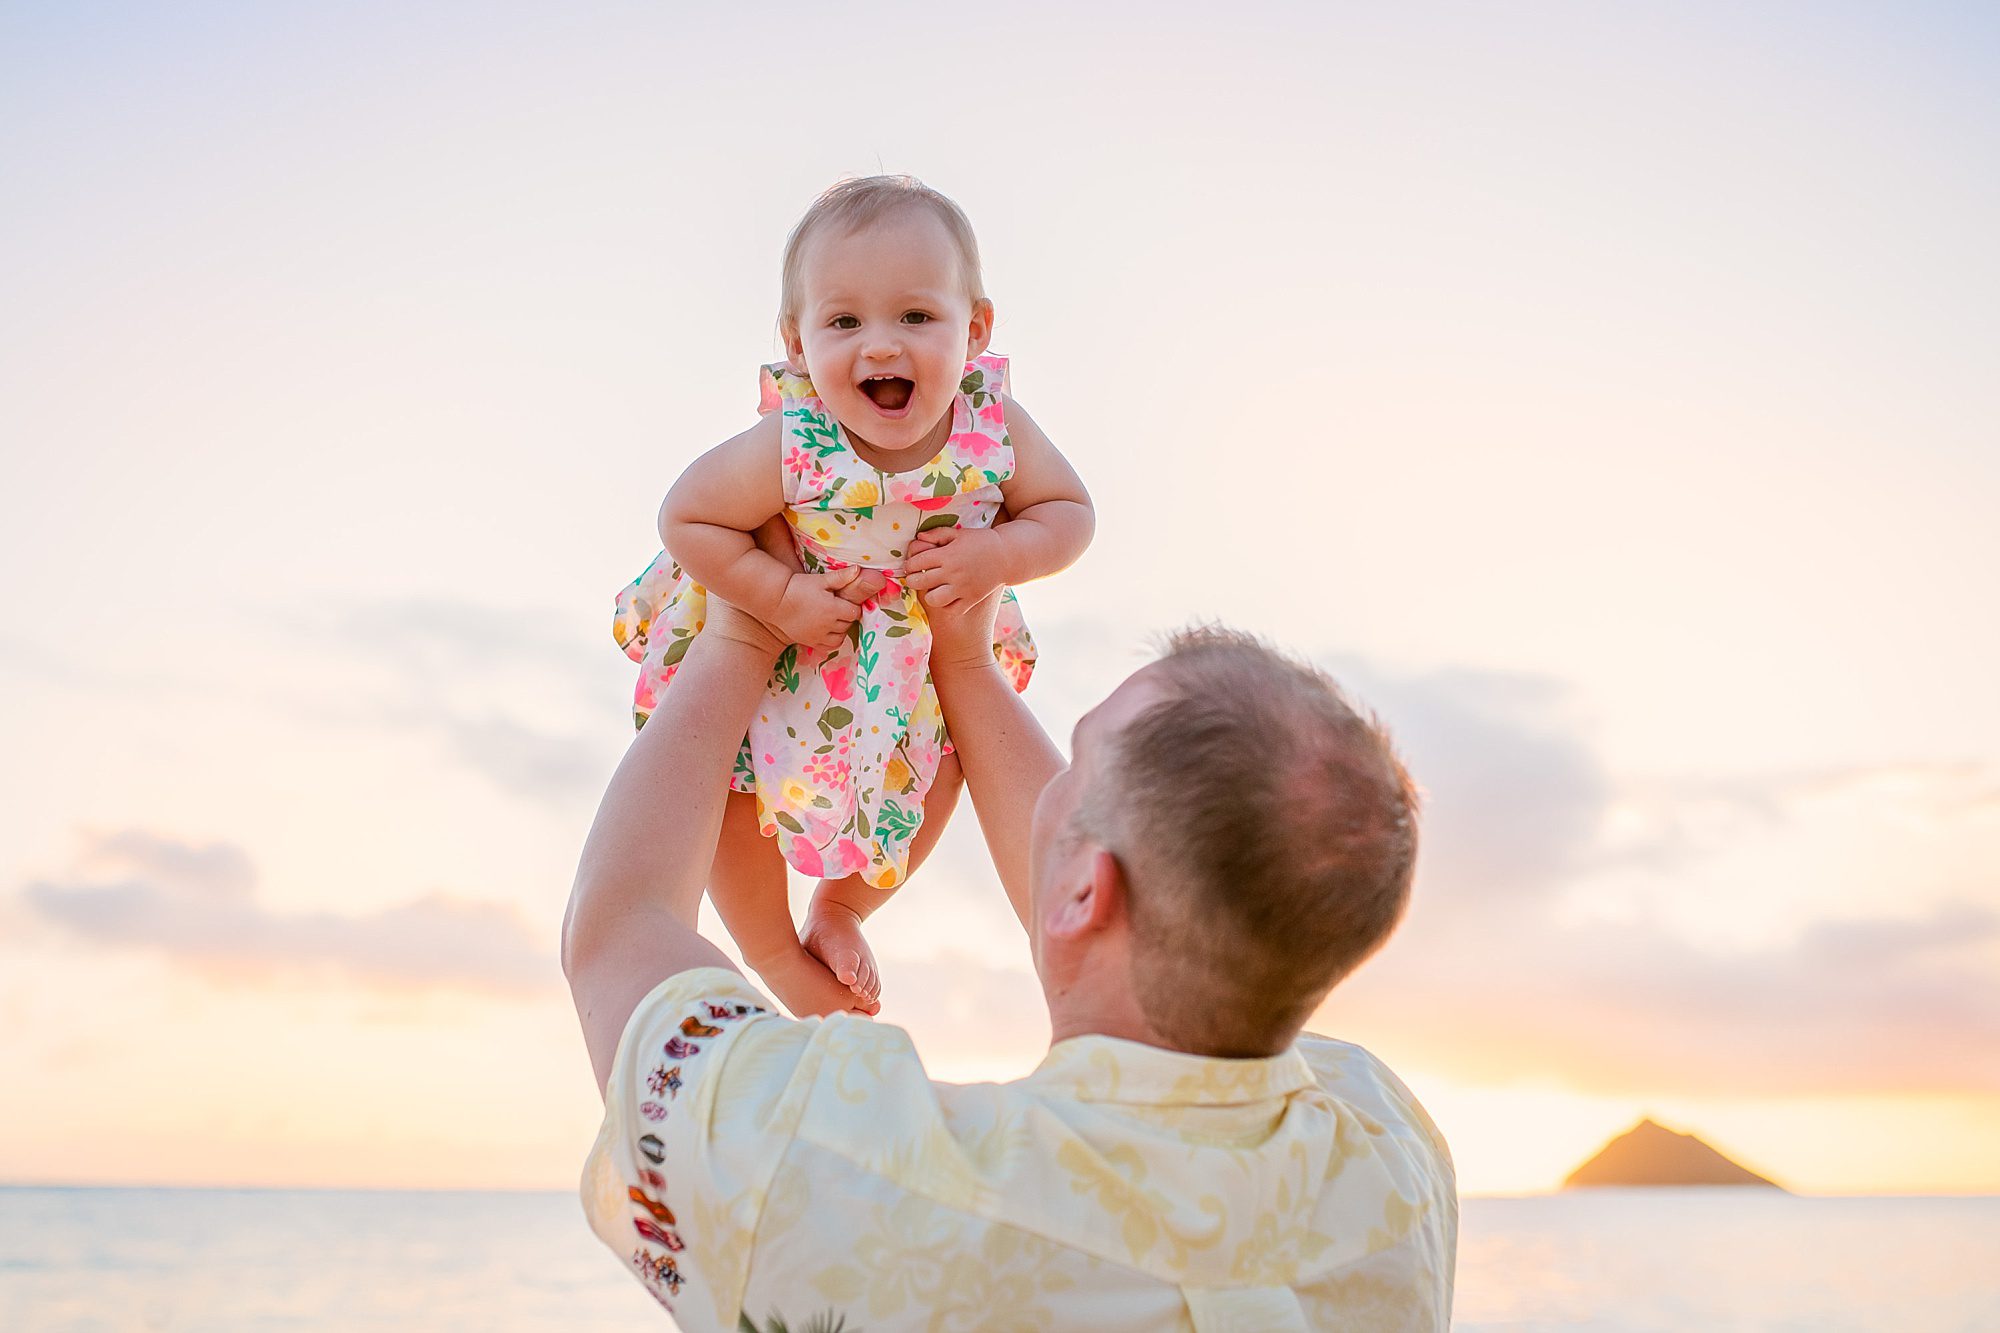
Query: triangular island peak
x=1651, y=1154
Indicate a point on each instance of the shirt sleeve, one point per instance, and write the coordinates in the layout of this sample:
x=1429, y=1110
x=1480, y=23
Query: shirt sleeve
x=704, y=1095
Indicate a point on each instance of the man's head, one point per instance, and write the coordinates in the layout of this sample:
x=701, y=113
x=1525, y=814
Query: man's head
x=1245, y=833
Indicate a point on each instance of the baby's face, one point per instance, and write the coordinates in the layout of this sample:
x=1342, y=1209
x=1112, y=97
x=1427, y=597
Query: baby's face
x=886, y=327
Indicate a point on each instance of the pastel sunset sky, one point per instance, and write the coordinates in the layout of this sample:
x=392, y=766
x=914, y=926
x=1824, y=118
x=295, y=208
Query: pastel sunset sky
x=1607, y=394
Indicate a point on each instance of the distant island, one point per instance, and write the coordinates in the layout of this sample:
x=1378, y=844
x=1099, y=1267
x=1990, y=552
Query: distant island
x=1652, y=1154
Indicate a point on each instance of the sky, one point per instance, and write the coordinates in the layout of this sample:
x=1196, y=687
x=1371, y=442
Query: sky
x=1605, y=394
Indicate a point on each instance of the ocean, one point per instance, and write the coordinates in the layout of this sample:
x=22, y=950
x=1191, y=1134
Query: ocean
x=307, y=1261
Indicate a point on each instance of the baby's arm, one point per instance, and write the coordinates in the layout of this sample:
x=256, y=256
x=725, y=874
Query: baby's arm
x=1050, y=521
x=707, y=522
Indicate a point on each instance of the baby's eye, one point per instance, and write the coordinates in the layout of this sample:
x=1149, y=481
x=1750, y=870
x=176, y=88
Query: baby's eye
x=845, y=322
x=916, y=317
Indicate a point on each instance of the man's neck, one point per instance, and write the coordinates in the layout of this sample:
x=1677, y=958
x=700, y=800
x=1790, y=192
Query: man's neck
x=1100, y=1003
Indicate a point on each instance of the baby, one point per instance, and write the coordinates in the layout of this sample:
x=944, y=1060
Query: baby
x=888, y=442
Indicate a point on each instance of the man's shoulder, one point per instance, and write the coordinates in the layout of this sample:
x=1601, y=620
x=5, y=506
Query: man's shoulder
x=709, y=1034
x=708, y=1089
x=1358, y=1078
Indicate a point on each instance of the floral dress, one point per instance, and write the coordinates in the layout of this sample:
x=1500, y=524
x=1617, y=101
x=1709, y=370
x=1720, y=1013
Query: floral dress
x=847, y=740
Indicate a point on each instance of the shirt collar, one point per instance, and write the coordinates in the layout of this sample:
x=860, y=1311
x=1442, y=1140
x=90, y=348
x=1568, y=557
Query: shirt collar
x=1112, y=1069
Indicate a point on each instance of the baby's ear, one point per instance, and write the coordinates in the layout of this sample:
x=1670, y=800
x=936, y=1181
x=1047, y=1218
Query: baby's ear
x=979, y=331
x=795, y=348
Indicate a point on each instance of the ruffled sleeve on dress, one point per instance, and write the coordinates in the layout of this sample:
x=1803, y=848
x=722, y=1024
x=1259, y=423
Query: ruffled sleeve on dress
x=985, y=379
x=775, y=383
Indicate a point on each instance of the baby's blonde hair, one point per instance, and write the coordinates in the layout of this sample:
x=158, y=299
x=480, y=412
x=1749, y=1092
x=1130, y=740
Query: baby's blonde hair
x=855, y=203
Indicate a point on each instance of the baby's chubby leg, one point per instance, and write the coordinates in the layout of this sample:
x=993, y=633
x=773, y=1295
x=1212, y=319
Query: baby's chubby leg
x=747, y=886
x=832, y=931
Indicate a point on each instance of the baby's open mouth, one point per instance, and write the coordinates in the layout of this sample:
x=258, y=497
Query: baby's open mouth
x=891, y=393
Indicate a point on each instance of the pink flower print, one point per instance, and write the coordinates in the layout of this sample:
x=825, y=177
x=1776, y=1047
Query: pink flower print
x=839, y=679
x=992, y=414
x=930, y=502
x=851, y=856
x=976, y=446
x=804, y=857
x=678, y=1049
x=907, y=492
x=798, y=462
x=827, y=769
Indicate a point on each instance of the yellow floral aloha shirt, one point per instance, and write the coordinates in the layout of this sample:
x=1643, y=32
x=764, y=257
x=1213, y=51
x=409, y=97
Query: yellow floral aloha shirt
x=756, y=1171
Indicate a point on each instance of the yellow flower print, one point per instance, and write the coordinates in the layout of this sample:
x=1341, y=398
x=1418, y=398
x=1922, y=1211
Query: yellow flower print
x=905, y=1256
x=970, y=480
x=1116, y=1182
x=822, y=530
x=795, y=793
x=861, y=495
x=897, y=777
x=915, y=1253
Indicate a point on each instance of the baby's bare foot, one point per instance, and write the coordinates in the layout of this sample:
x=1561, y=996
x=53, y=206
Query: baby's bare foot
x=833, y=935
x=804, y=985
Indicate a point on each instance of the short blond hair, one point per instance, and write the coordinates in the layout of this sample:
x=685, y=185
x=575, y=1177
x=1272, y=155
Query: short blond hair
x=1268, y=836
x=858, y=201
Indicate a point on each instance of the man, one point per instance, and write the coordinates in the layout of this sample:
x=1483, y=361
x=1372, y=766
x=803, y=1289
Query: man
x=1229, y=840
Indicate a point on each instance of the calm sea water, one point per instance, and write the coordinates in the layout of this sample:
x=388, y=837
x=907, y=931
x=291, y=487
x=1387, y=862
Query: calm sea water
x=320, y=1262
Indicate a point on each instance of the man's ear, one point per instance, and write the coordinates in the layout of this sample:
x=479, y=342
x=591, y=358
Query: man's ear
x=979, y=332
x=1092, y=903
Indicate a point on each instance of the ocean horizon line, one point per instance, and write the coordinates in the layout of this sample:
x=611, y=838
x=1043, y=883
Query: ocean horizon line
x=158, y=1187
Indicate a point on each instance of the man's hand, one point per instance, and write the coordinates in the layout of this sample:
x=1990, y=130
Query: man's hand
x=950, y=565
x=961, y=633
x=838, y=595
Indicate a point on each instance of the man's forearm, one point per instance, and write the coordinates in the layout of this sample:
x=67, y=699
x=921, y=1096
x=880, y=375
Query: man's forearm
x=654, y=838
x=1007, y=759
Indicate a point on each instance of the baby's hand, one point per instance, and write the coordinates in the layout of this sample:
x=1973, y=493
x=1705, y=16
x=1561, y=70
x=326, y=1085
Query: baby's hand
x=813, y=614
x=950, y=564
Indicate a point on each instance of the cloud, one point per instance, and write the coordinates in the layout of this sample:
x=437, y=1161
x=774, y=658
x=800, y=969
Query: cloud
x=196, y=905
x=1670, y=824
x=528, y=701
x=1854, y=1006
x=1515, y=965
x=441, y=637
x=526, y=762
x=1530, y=952
x=218, y=871
x=1515, y=798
